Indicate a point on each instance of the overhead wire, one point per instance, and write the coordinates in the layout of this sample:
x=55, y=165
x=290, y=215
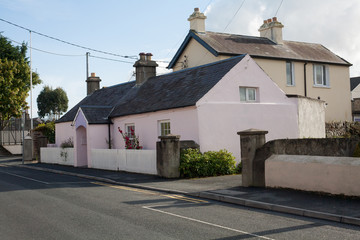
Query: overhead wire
x=66, y=42
x=234, y=15
x=278, y=8
x=207, y=52
x=52, y=53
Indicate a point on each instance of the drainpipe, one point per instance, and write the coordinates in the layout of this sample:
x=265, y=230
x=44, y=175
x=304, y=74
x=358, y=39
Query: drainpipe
x=305, y=91
x=109, y=135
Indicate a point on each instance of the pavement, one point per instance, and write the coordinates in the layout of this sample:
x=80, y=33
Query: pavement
x=226, y=189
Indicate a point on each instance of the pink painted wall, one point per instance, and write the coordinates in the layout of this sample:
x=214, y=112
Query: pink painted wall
x=63, y=131
x=221, y=114
x=183, y=122
x=97, y=135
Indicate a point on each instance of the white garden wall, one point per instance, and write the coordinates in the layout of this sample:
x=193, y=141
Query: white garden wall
x=335, y=175
x=63, y=156
x=136, y=161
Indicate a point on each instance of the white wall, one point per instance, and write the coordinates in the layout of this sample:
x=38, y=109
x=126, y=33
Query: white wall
x=64, y=156
x=137, y=161
x=335, y=175
x=311, y=117
x=183, y=122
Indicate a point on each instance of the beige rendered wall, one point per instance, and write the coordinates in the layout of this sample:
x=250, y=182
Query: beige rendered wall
x=335, y=175
x=337, y=96
x=196, y=55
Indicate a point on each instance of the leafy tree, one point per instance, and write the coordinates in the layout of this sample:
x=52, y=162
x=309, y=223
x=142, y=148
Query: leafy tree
x=52, y=103
x=14, y=80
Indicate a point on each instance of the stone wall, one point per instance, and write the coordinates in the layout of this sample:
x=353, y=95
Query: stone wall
x=342, y=129
x=337, y=147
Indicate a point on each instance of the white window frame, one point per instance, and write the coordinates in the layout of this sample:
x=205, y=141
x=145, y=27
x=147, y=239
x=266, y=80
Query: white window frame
x=325, y=79
x=357, y=118
x=127, y=129
x=247, y=94
x=164, y=130
x=292, y=75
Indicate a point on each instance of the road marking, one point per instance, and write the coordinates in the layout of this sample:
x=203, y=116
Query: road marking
x=173, y=196
x=207, y=223
x=12, y=174
x=179, y=197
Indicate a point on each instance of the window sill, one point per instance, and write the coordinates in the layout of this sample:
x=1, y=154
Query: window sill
x=321, y=86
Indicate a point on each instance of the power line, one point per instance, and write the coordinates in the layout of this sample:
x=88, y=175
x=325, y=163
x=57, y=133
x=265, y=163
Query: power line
x=278, y=8
x=57, y=54
x=69, y=43
x=234, y=15
x=110, y=59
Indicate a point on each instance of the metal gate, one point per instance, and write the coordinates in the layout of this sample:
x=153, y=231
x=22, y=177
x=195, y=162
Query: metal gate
x=12, y=133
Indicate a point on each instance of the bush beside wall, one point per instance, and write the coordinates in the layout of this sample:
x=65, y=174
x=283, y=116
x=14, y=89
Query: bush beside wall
x=195, y=164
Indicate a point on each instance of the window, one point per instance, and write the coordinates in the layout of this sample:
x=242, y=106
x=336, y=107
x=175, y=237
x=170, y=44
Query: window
x=247, y=94
x=321, y=76
x=164, y=127
x=130, y=130
x=290, y=79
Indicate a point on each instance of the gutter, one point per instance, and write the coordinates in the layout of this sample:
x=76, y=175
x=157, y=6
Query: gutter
x=305, y=90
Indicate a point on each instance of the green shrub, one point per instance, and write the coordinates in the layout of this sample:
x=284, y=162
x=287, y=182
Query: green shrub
x=195, y=164
x=357, y=151
x=48, y=130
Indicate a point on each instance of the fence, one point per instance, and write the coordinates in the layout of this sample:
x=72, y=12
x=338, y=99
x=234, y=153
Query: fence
x=12, y=132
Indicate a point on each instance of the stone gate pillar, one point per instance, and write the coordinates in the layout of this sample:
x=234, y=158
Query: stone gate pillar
x=168, y=156
x=253, y=171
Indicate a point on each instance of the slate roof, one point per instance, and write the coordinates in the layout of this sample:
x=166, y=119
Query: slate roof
x=174, y=90
x=97, y=114
x=104, y=97
x=354, y=82
x=232, y=45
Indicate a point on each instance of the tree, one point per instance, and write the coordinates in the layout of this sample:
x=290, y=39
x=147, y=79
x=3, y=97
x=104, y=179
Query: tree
x=52, y=103
x=14, y=80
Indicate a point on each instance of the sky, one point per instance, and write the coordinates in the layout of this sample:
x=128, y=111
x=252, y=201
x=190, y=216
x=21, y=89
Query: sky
x=126, y=28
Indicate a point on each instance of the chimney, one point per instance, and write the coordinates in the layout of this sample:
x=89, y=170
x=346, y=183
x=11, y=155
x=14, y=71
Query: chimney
x=93, y=83
x=197, y=21
x=145, y=68
x=272, y=29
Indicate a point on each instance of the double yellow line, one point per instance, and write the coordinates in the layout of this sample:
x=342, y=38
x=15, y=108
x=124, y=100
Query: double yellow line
x=173, y=196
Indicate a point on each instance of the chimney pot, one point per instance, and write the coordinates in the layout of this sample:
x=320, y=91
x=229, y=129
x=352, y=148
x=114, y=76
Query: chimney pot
x=269, y=20
x=93, y=75
x=274, y=19
x=265, y=21
x=142, y=56
x=148, y=56
x=196, y=9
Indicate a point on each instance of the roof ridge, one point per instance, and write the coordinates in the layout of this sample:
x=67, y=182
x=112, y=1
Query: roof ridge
x=204, y=65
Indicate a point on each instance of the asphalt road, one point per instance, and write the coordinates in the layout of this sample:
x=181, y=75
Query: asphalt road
x=42, y=205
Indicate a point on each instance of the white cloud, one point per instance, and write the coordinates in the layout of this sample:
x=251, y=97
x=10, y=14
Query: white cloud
x=332, y=23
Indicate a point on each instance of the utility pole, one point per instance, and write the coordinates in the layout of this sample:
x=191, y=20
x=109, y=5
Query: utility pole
x=87, y=65
x=31, y=116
